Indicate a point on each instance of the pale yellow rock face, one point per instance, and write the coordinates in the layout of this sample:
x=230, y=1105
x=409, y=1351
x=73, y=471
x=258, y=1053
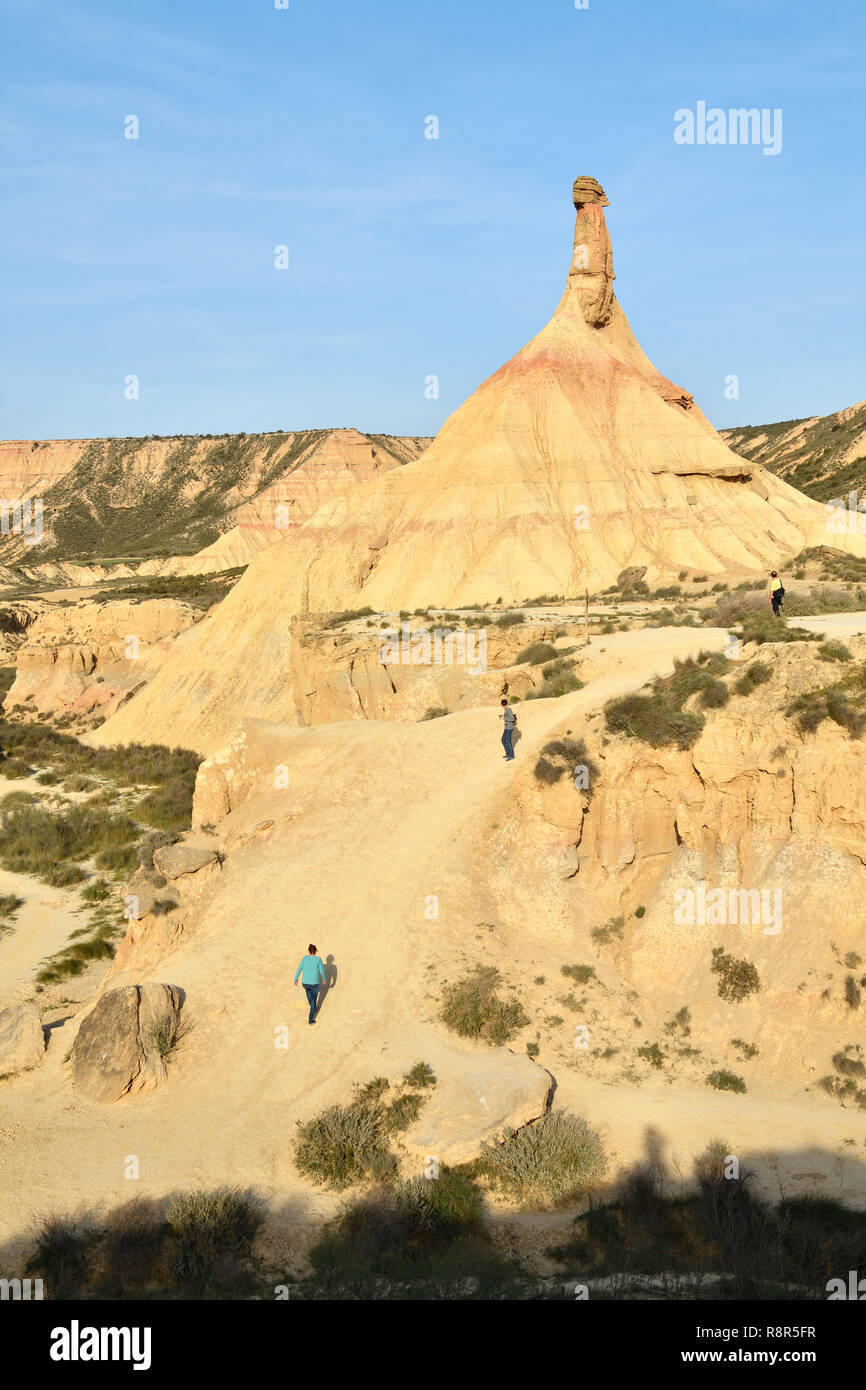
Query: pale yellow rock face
x=89, y=657
x=576, y=459
x=343, y=460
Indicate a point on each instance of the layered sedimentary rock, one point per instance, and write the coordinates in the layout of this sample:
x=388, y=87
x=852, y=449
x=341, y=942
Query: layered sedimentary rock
x=71, y=500
x=575, y=460
x=344, y=459
x=85, y=660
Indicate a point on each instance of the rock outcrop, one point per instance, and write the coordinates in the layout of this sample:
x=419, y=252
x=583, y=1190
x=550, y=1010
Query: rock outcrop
x=224, y=497
x=481, y=1097
x=177, y=860
x=574, y=461
x=121, y=1045
x=22, y=1041
x=88, y=659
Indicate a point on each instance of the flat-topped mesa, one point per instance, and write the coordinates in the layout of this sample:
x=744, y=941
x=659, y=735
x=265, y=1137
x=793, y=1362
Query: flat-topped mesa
x=591, y=274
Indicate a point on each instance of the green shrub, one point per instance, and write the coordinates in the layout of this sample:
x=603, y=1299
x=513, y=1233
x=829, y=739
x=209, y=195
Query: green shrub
x=97, y=891
x=737, y=978
x=581, y=974
x=14, y=768
x=473, y=1009
x=726, y=1081
x=547, y=1162
x=834, y=651
x=80, y=783
x=653, y=719
x=714, y=694
x=446, y=1205
x=433, y=712
x=162, y=1038
x=343, y=1145
x=764, y=626
x=209, y=1229
x=811, y=709
x=61, y=1255
x=419, y=1076
x=510, y=620
x=538, y=652
x=563, y=755
x=754, y=675
x=402, y=1112
x=653, y=1054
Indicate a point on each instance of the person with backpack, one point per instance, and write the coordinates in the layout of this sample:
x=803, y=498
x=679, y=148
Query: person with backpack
x=312, y=973
x=510, y=720
x=777, y=593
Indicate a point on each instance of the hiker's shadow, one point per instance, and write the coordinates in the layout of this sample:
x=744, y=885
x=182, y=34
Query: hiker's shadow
x=330, y=982
x=516, y=737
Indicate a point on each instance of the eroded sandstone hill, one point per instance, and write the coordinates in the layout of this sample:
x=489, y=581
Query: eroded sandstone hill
x=825, y=455
x=226, y=496
x=573, y=461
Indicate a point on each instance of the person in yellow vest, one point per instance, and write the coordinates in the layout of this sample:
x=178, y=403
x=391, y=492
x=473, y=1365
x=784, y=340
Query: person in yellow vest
x=777, y=593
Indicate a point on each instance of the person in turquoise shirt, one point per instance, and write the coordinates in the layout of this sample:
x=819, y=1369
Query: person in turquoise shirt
x=312, y=973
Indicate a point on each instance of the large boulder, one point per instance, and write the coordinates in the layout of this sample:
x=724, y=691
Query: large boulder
x=22, y=1041
x=122, y=1044
x=475, y=1103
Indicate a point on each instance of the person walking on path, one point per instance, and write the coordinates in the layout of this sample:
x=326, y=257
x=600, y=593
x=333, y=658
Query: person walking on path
x=510, y=719
x=777, y=593
x=312, y=973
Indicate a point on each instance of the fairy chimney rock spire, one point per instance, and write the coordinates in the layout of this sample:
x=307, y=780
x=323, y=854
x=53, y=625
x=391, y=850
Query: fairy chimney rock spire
x=591, y=275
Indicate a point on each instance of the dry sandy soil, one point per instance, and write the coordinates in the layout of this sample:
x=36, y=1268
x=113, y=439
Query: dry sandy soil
x=376, y=821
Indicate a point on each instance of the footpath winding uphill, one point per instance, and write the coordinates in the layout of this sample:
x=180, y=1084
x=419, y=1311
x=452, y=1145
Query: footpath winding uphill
x=391, y=846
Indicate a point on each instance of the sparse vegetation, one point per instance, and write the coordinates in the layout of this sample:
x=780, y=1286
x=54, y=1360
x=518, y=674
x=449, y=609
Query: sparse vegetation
x=726, y=1081
x=581, y=974
x=834, y=651
x=537, y=653
x=547, y=1162
x=612, y=930
x=653, y=1054
x=564, y=755
x=737, y=978
x=754, y=675
x=473, y=1009
x=347, y=1144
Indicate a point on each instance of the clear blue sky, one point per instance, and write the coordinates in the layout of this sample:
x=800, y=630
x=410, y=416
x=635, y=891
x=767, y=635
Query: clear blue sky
x=408, y=256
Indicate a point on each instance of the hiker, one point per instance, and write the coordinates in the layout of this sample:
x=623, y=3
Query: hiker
x=312, y=973
x=510, y=719
x=777, y=593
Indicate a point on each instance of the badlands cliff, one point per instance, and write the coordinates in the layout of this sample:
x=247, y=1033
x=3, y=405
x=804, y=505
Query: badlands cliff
x=573, y=461
x=193, y=504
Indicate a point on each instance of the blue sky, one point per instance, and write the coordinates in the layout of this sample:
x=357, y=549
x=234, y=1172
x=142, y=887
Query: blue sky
x=412, y=257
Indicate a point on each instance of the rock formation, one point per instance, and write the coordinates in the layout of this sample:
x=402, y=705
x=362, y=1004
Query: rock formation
x=224, y=497
x=574, y=461
x=122, y=1043
x=87, y=659
x=22, y=1041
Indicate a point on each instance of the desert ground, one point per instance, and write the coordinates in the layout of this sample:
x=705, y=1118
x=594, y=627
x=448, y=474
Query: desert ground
x=220, y=753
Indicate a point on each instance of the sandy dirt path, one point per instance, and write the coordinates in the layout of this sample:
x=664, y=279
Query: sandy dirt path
x=393, y=818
